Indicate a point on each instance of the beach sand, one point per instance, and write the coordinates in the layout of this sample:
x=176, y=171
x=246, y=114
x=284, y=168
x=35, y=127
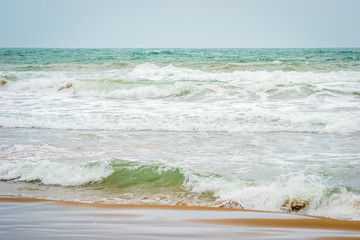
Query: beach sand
x=31, y=218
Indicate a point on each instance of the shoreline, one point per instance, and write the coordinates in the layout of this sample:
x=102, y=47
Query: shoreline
x=271, y=220
x=21, y=199
x=35, y=218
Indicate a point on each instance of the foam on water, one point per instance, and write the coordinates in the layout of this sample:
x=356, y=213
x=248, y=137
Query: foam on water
x=178, y=117
x=184, y=99
x=153, y=72
x=170, y=73
x=54, y=173
x=296, y=191
x=303, y=193
x=132, y=91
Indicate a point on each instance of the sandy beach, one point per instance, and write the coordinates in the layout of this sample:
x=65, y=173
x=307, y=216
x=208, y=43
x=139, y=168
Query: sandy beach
x=31, y=218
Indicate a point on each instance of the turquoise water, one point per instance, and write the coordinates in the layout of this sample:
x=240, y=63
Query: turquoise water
x=224, y=59
x=268, y=129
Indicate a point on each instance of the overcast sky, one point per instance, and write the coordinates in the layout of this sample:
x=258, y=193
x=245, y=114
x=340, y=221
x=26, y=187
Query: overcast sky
x=180, y=23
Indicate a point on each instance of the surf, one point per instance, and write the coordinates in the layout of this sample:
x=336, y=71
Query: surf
x=296, y=192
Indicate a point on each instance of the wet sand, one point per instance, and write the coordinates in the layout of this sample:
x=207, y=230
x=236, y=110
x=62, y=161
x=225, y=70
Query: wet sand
x=30, y=218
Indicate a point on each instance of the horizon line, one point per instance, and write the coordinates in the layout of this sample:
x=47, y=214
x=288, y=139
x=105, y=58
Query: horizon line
x=178, y=47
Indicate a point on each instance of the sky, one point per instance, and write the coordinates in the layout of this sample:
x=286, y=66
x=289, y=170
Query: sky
x=180, y=23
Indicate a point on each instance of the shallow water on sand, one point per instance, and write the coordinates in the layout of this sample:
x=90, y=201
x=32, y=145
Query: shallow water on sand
x=41, y=219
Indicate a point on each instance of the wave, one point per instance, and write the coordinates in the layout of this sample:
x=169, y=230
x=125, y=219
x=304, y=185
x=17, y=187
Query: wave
x=52, y=173
x=156, y=52
x=114, y=173
x=170, y=72
x=152, y=97
x=119, y=89
x=152, y=81
x=183, y=118
x=291, y=192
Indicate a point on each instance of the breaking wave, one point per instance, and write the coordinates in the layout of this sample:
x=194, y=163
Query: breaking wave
x=148, y=74
x=291, y=192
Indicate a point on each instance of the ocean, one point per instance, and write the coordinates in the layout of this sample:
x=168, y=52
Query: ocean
x=262, y=129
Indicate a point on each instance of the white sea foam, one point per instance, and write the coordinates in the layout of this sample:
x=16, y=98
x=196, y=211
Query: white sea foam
x=153, y=72
x=318, y=196
x=36, y=81
x=184, y=99
x=176, y=116
x=53, y=173
x=138, y=92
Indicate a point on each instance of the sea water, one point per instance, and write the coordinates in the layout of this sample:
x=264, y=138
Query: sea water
x=265, y=129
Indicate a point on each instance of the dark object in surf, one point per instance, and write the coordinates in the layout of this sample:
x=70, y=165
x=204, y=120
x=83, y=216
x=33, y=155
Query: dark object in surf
x=3, y=82
x=68, y=85
x=294, y=205
x=230, y=204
